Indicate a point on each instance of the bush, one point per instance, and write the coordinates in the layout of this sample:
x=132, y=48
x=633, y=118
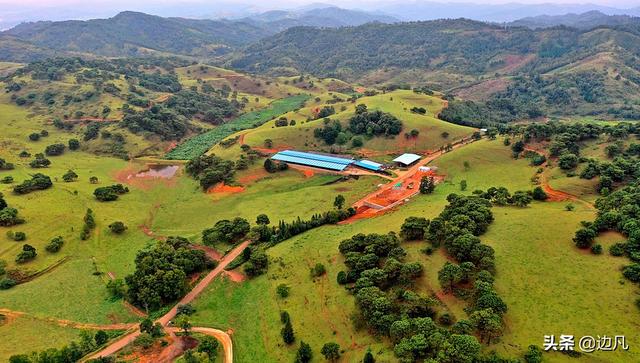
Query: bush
x=117, y=227
x=144, y=340
x=342, y=278
x=539, y=194
x=282, y=290
x=110, y=193
x=596, y=249
x=318, y=270
x=55, y=245
x=27, y=254
x=74, y=144
x=54, y=150
x=185, y=309
x=19, y=236
x=618, y=249
x=7, y=283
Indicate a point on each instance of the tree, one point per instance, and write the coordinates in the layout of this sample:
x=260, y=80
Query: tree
x=427, y=185
x=338, y=202
x=568, y=161
x=117, y=227
x=74, y=144
x=533, y=354
x=28, y=253
x=208, y=345
x=282, y=290
x=304, y=353
x=101, y=337
x=361, y=108
x=368, y=357
x=93, y=180
x=488, y=324
x=449, y=275
x=331, y=351
x=54, y=150
x=70, y=176
x=262, y=219
x=55, y=245
x=287, y=333
x=539, y=194
x=460, y=349
x=184, y=324
x=584, y=237
x=414, y=228
x=463, y=185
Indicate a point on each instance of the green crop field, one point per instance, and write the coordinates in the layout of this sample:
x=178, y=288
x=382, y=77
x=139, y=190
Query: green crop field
x=198, y=145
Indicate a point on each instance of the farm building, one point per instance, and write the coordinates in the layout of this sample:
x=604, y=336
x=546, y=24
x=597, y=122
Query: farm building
x=407, y=159
x=314, y=160
x=329, y=162
x=369, y=165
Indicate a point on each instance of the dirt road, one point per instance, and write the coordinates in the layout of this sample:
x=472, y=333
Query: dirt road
x=165, y=319
x=402, y=178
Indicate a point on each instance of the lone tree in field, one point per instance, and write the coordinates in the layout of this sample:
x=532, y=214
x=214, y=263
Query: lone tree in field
x=304, y=353
x=339, y=201
x=70, y=176
x=117, y=227
x=331, y=351
x=427, y=185
x=287, y=333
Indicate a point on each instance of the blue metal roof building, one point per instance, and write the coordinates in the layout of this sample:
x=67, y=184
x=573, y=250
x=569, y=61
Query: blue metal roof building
x=369, y=165
x=314, y=160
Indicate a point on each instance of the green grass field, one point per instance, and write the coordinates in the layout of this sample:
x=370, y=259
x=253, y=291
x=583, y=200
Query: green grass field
x=397, y=103
x=199, y=144
x=24, y=334
x=539, y=270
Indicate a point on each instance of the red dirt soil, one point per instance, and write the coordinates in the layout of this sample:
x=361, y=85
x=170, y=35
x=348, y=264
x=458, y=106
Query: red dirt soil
x=235, y=276
x=222, y=188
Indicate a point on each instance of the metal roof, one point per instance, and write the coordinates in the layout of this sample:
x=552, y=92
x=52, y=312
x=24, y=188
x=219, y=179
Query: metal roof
x=367, y=164
x=407, y=159
x=319, y=157
x=309, y=162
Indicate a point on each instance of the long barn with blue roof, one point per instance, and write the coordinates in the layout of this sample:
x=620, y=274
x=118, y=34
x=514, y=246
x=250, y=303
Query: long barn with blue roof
x=329, y=162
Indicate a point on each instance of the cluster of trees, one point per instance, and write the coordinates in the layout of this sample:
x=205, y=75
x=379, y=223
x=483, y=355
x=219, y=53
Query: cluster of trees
x=382, y=284
x=285, y=230
x=331, y=132
x=27, y=254
x=374, y=123
x=40, y=162
x=501, y=196
x=4, y=165
x=209, y=108
x=161, y=273
x=8, y=215
x=617, y=211
x=458, y=227
x=54, y=245
x=158, y=120
x=73, y=352
x=89, y=224
x=210, y=170
x=226, y=231
x=55, y=149
x=110, y=193
x=38, y=181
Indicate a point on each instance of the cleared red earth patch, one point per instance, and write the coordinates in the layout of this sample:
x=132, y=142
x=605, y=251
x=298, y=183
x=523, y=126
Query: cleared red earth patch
x=222, y=188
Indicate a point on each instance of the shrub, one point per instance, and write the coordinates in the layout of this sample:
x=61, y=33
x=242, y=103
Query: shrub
x=54, y=150
x=282, y=290
x=19, y=236
x=318, y=270
x=27, y=254
x=539, y=194
x=74, y=144
x=55, y=245
x=117, y=227
x=7, y=283
x=144, y=340
x=185, y=309
x=110, y=193
x=618, y=249
x=596, y=249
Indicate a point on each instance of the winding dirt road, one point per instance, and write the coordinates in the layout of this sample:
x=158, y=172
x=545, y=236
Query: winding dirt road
x=223, y=337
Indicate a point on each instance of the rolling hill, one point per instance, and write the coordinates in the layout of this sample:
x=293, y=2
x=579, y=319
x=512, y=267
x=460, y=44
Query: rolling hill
x=588, y=20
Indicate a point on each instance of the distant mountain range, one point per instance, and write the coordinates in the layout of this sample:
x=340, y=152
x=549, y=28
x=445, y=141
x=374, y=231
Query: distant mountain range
x=586, y=20
x=133, y=33
x=320, y=16
x=427, y=10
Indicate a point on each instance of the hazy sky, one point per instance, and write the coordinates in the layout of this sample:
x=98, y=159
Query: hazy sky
x=292, y=3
